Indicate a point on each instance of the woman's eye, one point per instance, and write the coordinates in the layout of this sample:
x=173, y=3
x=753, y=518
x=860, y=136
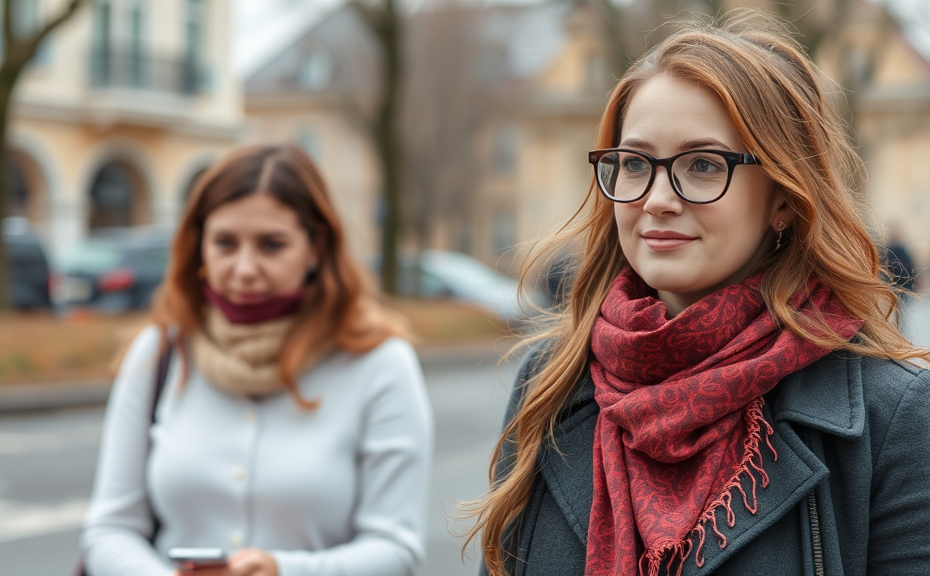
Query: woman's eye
x=224, y=243
x=704, y=166
x=272, y=245
x=635, y=165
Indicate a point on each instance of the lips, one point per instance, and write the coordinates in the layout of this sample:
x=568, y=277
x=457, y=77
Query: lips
x=665, y=240
x=247, y=298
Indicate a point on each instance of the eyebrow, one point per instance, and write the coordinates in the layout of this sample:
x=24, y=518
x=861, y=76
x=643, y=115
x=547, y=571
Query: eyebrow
x=683, y=145
x=271, y=234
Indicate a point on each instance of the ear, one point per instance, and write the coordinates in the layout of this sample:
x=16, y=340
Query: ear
x=782, y=214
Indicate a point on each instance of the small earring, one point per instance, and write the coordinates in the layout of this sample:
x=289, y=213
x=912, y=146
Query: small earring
x=780, y=228
x=311, y=273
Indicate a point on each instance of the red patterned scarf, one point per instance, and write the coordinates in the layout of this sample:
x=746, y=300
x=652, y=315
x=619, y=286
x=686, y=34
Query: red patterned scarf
x=681, y=415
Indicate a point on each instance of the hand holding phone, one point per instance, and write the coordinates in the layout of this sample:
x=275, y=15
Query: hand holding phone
x=186, y=559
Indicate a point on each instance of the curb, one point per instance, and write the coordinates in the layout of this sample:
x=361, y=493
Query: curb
x=32, y=397
x=15, y=398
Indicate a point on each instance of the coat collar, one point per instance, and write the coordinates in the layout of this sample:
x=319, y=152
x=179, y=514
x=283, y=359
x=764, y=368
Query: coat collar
x=826, y=396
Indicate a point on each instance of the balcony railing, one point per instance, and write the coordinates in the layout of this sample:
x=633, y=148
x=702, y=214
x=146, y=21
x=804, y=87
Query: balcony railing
x=135, y=70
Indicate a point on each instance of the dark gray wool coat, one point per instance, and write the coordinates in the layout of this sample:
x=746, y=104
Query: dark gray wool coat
x=852, y=436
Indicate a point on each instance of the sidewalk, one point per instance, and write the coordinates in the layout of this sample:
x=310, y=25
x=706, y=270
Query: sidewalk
x=52, y=396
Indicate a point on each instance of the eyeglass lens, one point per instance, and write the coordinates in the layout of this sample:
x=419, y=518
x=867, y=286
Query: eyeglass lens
x=699, y=177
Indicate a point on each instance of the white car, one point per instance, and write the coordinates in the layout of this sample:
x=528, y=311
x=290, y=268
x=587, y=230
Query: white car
x=462, y=278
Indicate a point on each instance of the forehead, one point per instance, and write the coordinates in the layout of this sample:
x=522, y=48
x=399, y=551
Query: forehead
x=667, y=111
x=254, y=214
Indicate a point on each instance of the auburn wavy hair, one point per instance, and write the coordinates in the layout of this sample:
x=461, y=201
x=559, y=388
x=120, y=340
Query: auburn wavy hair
x=340, y=307
x=775, y=98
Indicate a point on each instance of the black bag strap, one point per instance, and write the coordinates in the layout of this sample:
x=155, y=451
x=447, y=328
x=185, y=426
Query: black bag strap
x=161, y=376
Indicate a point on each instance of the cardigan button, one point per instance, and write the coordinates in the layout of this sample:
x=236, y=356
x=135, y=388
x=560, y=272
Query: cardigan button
x=239, y=474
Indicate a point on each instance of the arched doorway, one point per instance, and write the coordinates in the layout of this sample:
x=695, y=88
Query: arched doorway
x=26, y=188
x=191, y=184
x=118, y=197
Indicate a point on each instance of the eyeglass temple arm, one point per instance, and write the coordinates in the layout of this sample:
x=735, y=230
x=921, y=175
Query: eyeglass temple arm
x=747, y=158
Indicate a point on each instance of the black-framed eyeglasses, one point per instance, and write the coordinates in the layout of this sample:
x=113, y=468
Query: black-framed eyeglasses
x=697, y=176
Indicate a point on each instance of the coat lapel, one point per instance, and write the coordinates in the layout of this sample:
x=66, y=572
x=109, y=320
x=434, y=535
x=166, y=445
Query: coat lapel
x=826, y=396
x=568, y=465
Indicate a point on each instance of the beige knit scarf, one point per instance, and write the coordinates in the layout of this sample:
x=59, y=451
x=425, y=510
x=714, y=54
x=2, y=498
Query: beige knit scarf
x=241, y=359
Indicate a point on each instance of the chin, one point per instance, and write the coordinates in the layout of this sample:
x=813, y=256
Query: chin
x=666, y=280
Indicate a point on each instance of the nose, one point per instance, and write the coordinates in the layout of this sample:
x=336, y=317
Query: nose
x=246, y=265
x=661, y=198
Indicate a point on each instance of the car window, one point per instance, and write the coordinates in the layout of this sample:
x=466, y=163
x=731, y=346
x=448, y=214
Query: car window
x=155, y=256
x=27, y=260
x=432, y=286
x=457, y=270
x=91, y=256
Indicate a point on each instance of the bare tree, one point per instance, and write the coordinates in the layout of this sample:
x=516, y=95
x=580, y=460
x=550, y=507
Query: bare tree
x=384, y=21
x=19, y=47
x=630, y=28
x=446, y=104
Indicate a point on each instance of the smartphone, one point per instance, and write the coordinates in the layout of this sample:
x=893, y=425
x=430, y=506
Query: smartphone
x=194, y=558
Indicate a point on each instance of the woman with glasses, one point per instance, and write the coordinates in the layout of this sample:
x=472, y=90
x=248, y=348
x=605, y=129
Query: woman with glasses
x=725, y=391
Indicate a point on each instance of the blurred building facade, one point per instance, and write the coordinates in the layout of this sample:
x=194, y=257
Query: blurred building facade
x=882, y=57
x=551, y=80
x=548, y=83
x=121, y=109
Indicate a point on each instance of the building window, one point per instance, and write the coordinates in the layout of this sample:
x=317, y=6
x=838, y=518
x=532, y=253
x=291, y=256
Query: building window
x=505, y=149
x=136, y=45
x=859, y=66
x=27, y=19
x=505, y=230
x=308, y=138
x=194, y=38
x=315, y=71
x=111, y=197
x=100, y=44
x=596, y=73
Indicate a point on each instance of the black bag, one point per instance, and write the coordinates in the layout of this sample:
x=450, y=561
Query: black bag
x=161, y=376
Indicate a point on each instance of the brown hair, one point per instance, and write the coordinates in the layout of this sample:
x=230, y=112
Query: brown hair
x=339, y=307
x=772, y=94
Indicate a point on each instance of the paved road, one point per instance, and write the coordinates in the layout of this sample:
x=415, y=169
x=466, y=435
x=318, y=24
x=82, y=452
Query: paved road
x=47, y=463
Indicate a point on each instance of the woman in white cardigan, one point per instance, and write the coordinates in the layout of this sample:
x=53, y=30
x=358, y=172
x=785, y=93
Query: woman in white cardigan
x=294, y=430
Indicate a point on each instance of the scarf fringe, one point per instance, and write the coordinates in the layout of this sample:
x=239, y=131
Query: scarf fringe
x=676, y=552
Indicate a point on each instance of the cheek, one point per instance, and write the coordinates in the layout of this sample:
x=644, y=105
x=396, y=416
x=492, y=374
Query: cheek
x=216, y=266
x=625, y=219
x=290, y=269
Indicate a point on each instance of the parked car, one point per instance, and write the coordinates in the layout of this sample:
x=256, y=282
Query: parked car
x=28, y=267
x=113, y=270
x=460, y=277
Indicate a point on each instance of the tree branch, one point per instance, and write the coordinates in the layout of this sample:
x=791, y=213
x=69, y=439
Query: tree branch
x=7, y=25
x=55, y=22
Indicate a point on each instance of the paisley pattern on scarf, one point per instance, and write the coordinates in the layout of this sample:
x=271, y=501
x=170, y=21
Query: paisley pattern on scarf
x=681, y=414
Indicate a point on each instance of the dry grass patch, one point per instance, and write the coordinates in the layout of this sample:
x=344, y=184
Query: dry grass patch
x=46, y=348
x=442, y=322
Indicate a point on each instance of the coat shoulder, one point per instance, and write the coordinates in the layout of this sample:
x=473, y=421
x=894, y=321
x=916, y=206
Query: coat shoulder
x=887, y=383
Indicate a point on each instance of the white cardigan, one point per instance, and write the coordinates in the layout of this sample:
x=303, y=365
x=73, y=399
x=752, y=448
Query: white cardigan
x=341, y=490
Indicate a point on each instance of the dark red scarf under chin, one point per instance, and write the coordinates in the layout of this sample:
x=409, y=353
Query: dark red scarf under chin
x=681, y=414
x=264, y=311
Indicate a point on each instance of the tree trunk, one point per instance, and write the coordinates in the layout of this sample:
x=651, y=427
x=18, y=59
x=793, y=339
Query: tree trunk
x=6, y=278
x=9, y=73
x=18, y=50
x=384, y=22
